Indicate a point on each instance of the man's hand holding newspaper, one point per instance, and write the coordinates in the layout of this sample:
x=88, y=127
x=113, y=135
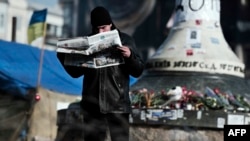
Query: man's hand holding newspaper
x=125, y=51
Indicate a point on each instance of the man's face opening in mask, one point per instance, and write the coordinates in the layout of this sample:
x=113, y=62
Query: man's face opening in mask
x=103, y=28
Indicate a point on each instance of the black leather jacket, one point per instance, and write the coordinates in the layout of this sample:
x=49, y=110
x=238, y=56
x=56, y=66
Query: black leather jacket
x=108, y=88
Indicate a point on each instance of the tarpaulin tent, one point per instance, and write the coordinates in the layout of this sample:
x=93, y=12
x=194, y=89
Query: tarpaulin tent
x=19, y=65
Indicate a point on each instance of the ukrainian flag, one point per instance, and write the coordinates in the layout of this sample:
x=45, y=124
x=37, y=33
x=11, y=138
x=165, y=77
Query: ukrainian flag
x=37, y=25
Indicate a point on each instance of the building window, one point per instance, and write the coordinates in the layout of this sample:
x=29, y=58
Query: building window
x=54, y=31
x=18, y=22
x=51, y=30
x=1, y=20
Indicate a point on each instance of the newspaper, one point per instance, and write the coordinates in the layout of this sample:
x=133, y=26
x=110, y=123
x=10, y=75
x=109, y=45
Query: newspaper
x=73, y=43
x=98, y=60
x=98, y=46
x=94, y=51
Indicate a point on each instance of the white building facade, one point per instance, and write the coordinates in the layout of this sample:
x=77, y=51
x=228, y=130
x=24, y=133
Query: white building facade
x=15, y=17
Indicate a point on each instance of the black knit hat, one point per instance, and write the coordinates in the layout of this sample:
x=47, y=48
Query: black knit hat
x=100, y=16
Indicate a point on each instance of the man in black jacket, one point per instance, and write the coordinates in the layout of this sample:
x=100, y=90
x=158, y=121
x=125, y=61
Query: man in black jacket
x=105, y=97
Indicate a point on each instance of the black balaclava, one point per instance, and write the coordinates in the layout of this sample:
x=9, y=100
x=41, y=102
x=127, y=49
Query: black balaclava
x=100, y=16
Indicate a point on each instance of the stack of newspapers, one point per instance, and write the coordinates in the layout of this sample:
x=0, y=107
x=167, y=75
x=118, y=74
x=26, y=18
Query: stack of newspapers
x=94, y=51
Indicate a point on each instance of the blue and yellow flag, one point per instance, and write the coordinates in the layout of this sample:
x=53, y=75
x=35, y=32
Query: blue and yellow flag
x=37, y=23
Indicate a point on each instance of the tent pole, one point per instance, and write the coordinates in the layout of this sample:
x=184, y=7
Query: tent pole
x=41, y=57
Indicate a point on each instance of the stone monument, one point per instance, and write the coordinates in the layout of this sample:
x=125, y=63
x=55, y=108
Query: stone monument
x=195, y=56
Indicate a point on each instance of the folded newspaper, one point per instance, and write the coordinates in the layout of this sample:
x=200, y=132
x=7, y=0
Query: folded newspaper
x=94, y=51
